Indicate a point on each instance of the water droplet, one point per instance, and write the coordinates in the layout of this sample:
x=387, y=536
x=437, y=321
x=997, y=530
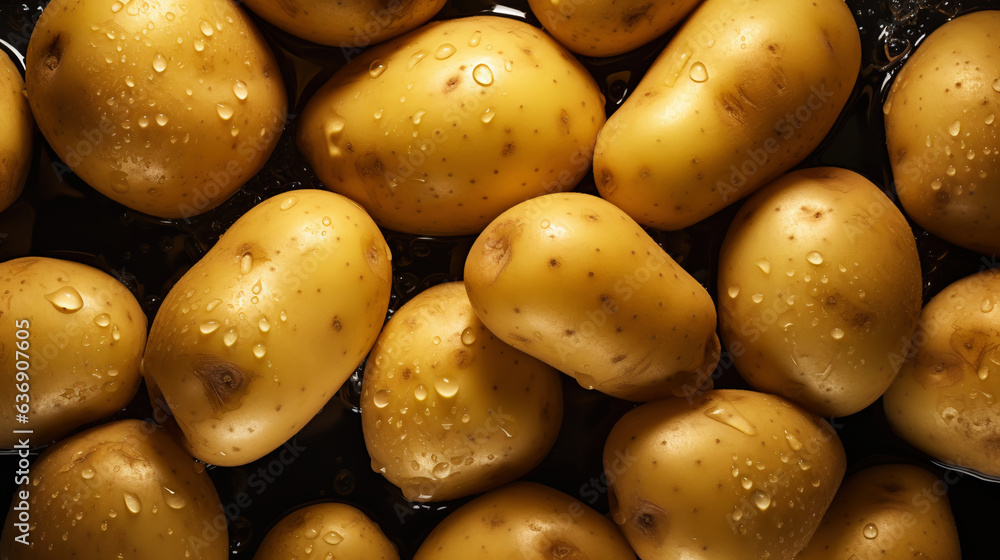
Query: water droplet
x=887, y=107
x=420, y=392
x=468, y=336
x=987, y=305
x=213, y=304
x=257, y=287
x=436, y=340
x=381, y=399
x=132, y=502
x=199, y=46
x=225, y=111
x=478, y=36
x=482, y=75
x=445, y=50
x=206, y=28
x=66, y=299
x=376, y=68
x=288, y=202
x=209, y=327
x=447, y=387
x=246, y=263
x=333, y=537
x=698, y=72
x=793, y=442
x=263, y=324
x=117, y=7
x=415, y=59
x=104, y=525
x=173, y=499
x=762, y=500
x=102, y=320
x=764, y=265
x=162, y=119
x=724, y=413
x=230, y=337
x=259, y=351
x=441, y=470
x=311, y=533
x=88, y=473
x=837, y=333
x=990, y=118
x=417, y=116
x=734, y=291
x=488, y=115
x=159, y=63
x=936, y=184
x=757, y=298
x=240, y=90
x=283, y=316
x=746, y=483
x=870, y=531
x=737, y=514
x=996, y=84
x=815, y=257
x=509, y=66
x=950, y=171
x=955, y=128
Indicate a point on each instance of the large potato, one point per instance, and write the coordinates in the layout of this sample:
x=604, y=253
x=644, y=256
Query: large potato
x=819, y=285
x=743, y=92
x=450, y=410
x=890, y=512
x=570, y=279
x=441, y=130
x=942, y=136
x=121, y=490
x=166, y=107
x=19, y=132
x=327, y=531
x=71, y=338
x=252, y=341
x=735, y=474
x=943, y=401
x=525, y=521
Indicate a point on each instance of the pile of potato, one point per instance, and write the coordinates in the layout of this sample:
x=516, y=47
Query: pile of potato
x=490, y=130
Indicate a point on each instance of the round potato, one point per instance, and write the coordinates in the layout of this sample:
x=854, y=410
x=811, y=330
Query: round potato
x=166, y=107
x=942, y=136
x=19, y=132
x=819, y=285
x=72, y=342
x=326, y=531
x=450, y=410
x=121, y=490
x=441, y=130
x=734, y=474
x=526, y=521
x=254, y=339
x=891, y=512
x=943, y=401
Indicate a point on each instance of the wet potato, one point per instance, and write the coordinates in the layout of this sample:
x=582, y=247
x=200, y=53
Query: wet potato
x=326, y=531
x=19, y=131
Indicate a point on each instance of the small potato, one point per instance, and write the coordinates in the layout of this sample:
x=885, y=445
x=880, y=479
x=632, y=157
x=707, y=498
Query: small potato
x=441, y=130
x=570, y=279
x=525, y=521
x=889, y=512
x=734, y=474
x=166, y=107
x=326, y=531
x=944, y=400
x=450, y=410
x=121, y=490
x=72, y=338
x=254, y=339
x=18, y=133
x=819, y=285
x=942, y=134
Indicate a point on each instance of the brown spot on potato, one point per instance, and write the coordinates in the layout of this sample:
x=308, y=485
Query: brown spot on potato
x=224, y=382
x=498, y=248
x=53, y=55
x=369, y=165
x=563, y=550
x=461, y=359
x=508, y=149
x=634, y=15
x=336, y=324
x=649, y=520
x=452, y=83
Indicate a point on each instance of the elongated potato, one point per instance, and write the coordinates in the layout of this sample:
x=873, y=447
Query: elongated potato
x=19, y=132
x=252, y=341
x=326, y=531
x=570, y=279
x=743, y=92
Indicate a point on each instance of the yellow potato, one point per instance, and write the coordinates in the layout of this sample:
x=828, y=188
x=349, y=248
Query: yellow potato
x=450, y=410
x=349, y=25
x=441, y=130
x=743, y=92
x=166, y=107
x=734, y=474
x=252, y=341
x=525, y=521
x=19, y=132
x=943, y=401
x=121, y=490
x=570, y=279
x=608, y=27
x=942, y=136
x=819, y=284
x=72, y=341
x=890, y=512
x=326, y=531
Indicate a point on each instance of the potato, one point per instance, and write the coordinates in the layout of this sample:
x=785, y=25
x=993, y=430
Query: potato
x=440, y=131
x=943, y=401
x=349, y=25
x=570, y=279
x=326, y=531
x=819, y=285
x=734, y=474
x=166, y=107
x=941, y=134
x=72, y=341
x=524, y=521
x=450, y=410
x=121, y=490
x=608, y=27
x=19, y=132
x=252, y=341
x=892, y=512
x=743, y=92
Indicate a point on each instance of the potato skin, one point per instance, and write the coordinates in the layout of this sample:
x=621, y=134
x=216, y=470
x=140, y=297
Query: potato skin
x=608, y=27
x=254, y=339
x=570, y=279
x=85, y=337
x=525, y=521
x=441, y=130
x=123, y=488
x=733, y=474
x=164, y=127
x=890, y=512
x=943, y=400
x=819, y=285
x=318, y=530
x=743, y=92
x=941, y=132
x=18, y=136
